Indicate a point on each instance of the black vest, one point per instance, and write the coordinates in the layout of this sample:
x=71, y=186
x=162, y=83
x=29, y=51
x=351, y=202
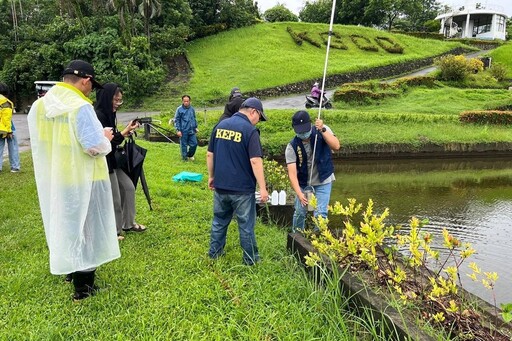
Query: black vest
x=322, y=158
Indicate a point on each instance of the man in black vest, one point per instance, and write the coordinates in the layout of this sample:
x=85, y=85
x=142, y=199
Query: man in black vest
x=308, y=170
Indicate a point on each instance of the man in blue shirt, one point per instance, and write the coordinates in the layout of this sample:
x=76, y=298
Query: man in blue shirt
x=186, y=127
x=235, y=165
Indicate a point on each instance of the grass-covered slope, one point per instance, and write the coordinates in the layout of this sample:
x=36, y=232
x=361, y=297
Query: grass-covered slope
x=265, y=56
x=503, y=55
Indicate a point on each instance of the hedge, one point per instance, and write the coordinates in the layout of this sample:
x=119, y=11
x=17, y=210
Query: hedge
x=487, y=117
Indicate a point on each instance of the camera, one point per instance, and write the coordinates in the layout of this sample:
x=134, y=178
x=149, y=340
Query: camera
x=144, y=120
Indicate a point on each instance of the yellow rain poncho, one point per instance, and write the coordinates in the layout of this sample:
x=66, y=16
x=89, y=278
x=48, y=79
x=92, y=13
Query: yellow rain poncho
x=68, y=149
x=6, y=108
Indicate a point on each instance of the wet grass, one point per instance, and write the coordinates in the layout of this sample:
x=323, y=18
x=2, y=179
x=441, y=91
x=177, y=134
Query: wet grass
x=163, y=287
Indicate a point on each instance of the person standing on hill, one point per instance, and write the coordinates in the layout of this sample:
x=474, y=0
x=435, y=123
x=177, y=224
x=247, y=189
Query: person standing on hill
x=300, y=159
x=108, y=100
x=186, y=127
x=68, y=148
x=234, y=102
x=7, y=130
x=235, y=165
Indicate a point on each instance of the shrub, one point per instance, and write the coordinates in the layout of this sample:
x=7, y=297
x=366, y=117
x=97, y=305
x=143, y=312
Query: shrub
x=336, y=43
x=279, y=13
x=360, y=41
x=487, y=117
x=294, y=36
x=429, y=82
x=276, y=176
x=360, y=95
x=476, y=65
x=306, y=37
x=453, y=68
x=389, y=45
x=498, y=71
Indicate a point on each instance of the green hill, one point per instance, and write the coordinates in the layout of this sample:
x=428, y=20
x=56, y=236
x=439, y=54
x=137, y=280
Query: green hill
x=266, y=56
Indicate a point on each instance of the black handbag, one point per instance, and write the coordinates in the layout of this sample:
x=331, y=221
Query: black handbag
x=121, y=157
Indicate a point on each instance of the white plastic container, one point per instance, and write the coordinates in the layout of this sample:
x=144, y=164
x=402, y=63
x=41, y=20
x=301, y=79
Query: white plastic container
x=274, y=198
x=282, y=197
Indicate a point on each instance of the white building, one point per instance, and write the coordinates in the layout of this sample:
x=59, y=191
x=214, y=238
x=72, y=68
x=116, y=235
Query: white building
x=477, y=20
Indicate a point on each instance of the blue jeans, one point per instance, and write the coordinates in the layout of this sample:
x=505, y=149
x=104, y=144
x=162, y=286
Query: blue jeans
x=323, y=195
x=188, y=139
x=12, y=146
x=244, y=207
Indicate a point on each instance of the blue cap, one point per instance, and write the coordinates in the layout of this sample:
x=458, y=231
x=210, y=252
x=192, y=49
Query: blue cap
x=301, y=122
x=253, y=102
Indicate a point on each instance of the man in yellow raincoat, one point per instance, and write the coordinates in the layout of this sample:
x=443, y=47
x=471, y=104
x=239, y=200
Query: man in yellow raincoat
x=69, y=146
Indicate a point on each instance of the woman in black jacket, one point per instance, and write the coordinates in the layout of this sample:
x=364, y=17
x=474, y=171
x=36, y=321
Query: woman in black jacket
x=108, y=100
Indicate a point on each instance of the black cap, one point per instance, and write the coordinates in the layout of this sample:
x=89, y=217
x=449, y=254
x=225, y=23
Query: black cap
x=235, y=92
x=301, y=122
x=253, y=102
x=82, y=69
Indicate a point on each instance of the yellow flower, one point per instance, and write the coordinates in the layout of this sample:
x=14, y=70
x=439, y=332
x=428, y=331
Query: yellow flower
x=439, y=317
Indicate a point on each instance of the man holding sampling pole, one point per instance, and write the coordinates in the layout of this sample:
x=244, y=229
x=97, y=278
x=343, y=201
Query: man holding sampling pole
x=310, y=166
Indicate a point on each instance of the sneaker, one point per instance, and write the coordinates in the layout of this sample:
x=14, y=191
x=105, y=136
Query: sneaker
x=69, y=278
x=120, y=237
x=14, y=170
x=191, y=158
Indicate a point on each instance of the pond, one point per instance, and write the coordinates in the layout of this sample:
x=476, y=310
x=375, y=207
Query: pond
x=472, y=198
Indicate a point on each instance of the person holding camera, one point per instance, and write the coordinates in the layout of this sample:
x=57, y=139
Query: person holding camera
x=186, y=127
x=108, y=100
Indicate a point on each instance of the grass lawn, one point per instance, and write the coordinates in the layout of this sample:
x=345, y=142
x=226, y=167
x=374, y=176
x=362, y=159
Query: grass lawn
x=163, y=287
x=503, y=55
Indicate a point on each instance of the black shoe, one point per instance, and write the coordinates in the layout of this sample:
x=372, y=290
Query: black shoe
x=84, y=292
x=69, y=278
x=84, y=285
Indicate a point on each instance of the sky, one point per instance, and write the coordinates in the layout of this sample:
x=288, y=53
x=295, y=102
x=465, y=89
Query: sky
x=296, y=5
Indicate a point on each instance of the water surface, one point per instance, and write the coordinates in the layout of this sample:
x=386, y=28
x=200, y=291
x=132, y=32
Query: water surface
x=472, y=198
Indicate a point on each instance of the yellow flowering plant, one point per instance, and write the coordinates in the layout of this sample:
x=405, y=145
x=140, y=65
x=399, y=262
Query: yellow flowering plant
x=364, y=244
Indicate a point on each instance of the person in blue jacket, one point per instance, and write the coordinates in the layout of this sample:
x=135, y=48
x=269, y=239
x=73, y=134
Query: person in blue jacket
x=306, y=169
x=186, y=128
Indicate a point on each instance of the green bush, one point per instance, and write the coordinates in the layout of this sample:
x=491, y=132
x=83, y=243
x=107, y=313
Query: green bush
x=336, y=40
x=487, y=117
x=279, y=13
x=426, y=81
x=389, y=45
x=498, y=71
x=361, y=96
x=363, y=43
x=453, y=68
x=294, y=36
x=304, y=36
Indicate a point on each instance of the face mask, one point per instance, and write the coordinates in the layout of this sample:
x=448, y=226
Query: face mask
x=304, y=136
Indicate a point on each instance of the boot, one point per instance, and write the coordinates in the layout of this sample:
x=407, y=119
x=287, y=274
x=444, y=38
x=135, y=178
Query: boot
x=84, y=284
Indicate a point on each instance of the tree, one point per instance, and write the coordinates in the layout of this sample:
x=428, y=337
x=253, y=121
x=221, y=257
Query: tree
x=390, y=10
x=279, y=13
x=316, y=11
x=354, y=12
x=149, y=9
